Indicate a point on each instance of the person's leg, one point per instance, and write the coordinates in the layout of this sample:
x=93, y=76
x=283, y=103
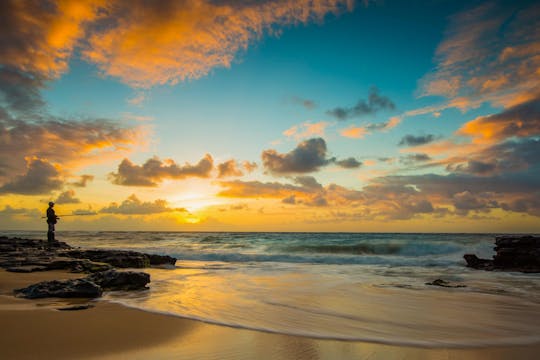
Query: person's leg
x=50, y=233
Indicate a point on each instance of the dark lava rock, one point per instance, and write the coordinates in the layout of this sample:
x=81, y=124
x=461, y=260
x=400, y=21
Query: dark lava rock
x=475, y=262
x=121, y=258
x=444, y=283
x=513, y=253
x=17, y=253
x=75, y=288
x=120, y=280
x=161, y=259
x=117, y=258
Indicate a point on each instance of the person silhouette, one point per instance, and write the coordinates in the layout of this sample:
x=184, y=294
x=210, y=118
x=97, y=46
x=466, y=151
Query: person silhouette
x=52, y=219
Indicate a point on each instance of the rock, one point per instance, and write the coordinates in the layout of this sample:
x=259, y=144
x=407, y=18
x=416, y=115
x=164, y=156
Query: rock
x=16, y=253
x=120, y=280
x=74, y=288
x=513, y=253
x=116, y=258
x=87, y=266
x=161, y=259
x=444, y=283
x=476, y=263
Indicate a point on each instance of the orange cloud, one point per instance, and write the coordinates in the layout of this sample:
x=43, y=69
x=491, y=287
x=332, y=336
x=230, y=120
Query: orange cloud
x=354, y=132
x=306, y=130
x=229, y=168
x=522, y=120
x=71, y=143
x=151, y=43
x=490, y=53
x=41, y=35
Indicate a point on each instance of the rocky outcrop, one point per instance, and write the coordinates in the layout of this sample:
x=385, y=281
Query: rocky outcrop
x=122, y=259
x=117, y=258
x=74, y=288
x=24, y=255
x=120, y=280
x=513, y=253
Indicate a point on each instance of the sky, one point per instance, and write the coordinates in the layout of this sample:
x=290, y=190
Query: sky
x=271, y=115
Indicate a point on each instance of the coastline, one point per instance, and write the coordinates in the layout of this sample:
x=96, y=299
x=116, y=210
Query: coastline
x=36, y=329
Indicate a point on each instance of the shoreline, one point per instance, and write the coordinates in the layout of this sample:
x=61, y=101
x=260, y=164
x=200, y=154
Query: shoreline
x=35, y=329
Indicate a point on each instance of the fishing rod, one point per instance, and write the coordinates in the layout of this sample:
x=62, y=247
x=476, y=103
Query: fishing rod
x=44, y=217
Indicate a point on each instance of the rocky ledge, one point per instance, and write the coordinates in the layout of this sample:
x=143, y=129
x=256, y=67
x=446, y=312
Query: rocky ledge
x=514, y=253
x=25, y=255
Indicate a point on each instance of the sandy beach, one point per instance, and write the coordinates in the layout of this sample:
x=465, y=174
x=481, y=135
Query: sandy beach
x=36, y=329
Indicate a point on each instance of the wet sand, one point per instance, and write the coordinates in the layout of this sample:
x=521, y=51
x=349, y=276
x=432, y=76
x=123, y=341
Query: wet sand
x=35, y=329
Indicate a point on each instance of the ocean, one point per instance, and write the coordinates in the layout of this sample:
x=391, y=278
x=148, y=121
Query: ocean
x=345, y=286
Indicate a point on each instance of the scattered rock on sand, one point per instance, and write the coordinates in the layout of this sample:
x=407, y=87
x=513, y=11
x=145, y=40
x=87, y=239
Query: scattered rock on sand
x=120, y=280
x=444, y=283
x=74, y=288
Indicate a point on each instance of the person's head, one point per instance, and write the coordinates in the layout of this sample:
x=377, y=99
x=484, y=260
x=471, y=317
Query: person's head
x=51, y=204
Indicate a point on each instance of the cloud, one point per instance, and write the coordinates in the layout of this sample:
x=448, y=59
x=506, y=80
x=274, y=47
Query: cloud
x=489, y=50
x=228, y=168
x=411, y=140
x=249, y=166
x=149, y=43
x=308, y=156
x=289, y=200
x=83, y=180
x=354, y=132
x=71, y=143
x=83, y=212
x=67, y=197
x=306, y=103
x=258, y=189
x=380, y=201
x=394, y=197
x=529, y=204
x=505, y=157
x=145, y=43
x=306, y=130
x=308, y=182
x=19, y=92
x=9, y=211
x=41, y=177
x=358, y=132
x=133, y=206
x=374, y=104
x=349, y=163
x=153, y=171
x=38, y=37
x=521, y=120
x=414, y=158
x=385, y=125
x=466, y=201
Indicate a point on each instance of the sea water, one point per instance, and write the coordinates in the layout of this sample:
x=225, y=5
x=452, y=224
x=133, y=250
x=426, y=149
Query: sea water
x=346, y=286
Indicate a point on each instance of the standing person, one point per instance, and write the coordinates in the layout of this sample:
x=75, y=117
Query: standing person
x=51, y=221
